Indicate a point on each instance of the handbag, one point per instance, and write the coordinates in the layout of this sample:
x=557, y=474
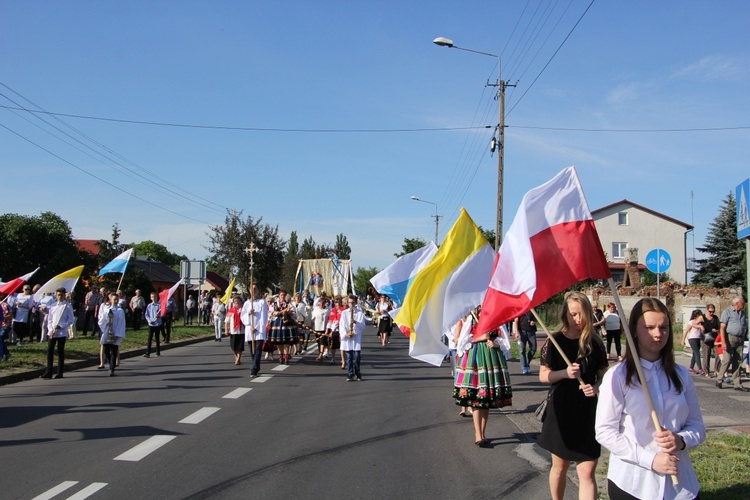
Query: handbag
x=541, y=411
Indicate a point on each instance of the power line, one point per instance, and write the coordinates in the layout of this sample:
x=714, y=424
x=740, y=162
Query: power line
x=250, y=129
x=100, y=179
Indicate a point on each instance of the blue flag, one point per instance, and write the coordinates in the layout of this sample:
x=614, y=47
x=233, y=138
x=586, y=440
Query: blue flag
x=118, y=264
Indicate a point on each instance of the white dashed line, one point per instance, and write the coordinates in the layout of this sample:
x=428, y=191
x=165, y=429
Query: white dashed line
x=237, y=393
x=56, y=490
x=261, y=379
x=87, y=491
x=199, y=416
x=279, y=368
x=145, y=448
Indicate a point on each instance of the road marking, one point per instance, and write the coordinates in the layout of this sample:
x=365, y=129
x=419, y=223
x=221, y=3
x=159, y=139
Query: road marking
x=238, y=393
x=199, y=416
x=527, y=452
x=56, y=490
x=142, y=450
x=87, y=491
x=279, y=368
x=261, y=379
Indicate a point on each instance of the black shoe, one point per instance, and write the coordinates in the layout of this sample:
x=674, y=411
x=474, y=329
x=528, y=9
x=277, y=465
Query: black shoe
x=719, y=384
x=253, y=373
x=59, y=375
x=742, y=388
x=350, y=379
x=146, y=355
x=359, y=378
x=157, y=354
x=111, y=374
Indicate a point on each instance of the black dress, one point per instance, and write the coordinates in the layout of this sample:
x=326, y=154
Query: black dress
x=568, y=429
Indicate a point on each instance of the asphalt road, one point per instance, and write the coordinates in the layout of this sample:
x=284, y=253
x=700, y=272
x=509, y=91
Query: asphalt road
x=190, y=424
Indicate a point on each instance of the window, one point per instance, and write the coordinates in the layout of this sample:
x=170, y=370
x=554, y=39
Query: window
x=622, y=218
x=618, y=250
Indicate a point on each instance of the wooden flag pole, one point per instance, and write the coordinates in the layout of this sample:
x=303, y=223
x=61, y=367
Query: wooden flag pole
x=554, y=342
x=252, y=249
x=636, y=360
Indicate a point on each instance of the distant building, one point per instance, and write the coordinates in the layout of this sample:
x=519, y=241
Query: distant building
x=625, y=224
x=161, y=275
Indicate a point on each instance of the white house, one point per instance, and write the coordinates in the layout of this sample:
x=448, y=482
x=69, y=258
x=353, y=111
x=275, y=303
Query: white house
x=625, y=224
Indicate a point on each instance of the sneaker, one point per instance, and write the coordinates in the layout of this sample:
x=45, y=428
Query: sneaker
x=146, y=355
x=525, y=371
x=349, y=379
x=719, y=384
x=359, y=378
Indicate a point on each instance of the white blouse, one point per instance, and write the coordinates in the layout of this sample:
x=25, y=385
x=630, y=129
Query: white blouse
x=624, y=426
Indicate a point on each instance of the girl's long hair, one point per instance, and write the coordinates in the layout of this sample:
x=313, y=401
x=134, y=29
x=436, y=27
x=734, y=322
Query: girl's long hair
x=587, y=330
x=650, y=304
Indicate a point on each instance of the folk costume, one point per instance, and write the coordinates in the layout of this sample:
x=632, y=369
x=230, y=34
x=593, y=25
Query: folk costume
x=283, y=328
x=481, y=378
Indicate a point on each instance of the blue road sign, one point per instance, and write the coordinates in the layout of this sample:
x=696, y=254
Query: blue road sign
x=658, y=261
x=743, y=217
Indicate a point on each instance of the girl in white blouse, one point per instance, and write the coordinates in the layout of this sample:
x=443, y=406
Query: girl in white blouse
x=641, y=460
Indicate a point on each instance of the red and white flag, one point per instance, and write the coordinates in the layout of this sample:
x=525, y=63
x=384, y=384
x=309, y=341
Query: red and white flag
x=15, y=284
x=164, y=297
x=551, y=245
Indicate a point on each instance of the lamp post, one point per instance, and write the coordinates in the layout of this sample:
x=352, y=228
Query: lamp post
x=437, y=217
x=496, y=143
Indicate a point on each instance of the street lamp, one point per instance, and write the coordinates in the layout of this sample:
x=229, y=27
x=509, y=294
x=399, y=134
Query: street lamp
x=437, y=217
x=500, y=142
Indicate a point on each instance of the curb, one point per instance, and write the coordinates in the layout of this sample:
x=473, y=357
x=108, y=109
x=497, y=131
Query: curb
x=85, y=363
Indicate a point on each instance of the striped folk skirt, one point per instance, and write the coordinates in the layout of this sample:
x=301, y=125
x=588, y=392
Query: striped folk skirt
x=482, y=379
x=283, y=332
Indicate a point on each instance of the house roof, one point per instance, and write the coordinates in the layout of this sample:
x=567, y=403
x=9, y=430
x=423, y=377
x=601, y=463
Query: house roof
x=89, y=246
x=156, y=271
x=645, y=209
x=216, y=280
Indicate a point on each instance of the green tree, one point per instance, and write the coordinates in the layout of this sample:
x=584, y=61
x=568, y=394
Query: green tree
x=229, y=244
x=362, y=277
x=342, y=245
x=159, y=252
x=291, y=261
x=490, y=235
x=649, y=278
x=410, y=245
x=44, y=241
x=725, y=266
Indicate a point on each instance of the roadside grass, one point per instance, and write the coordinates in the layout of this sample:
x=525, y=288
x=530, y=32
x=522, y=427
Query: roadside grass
x=33, y=356
x=722, y=464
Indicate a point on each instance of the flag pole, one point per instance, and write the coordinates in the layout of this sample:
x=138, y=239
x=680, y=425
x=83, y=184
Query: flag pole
x=636, y=360
x=120, y=283
x=554, y=342
x=252, y=249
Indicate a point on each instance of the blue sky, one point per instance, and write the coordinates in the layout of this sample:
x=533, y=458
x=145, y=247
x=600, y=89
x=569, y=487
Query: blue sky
x=329, y=115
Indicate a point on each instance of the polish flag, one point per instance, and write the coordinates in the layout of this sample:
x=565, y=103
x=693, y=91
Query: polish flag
x=164, y=297
x=14, y=284
x=551, y=245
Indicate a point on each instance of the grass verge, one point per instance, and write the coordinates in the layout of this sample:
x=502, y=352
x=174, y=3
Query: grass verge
x=33, y=356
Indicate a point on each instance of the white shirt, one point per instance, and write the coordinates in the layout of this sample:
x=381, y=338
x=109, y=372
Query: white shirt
x=117, y=325
x=260, y=315
x=611, y=321
x=320, y=318
x=625, y=428
x=351, y=343
x=23, y=304
x=60, y=317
